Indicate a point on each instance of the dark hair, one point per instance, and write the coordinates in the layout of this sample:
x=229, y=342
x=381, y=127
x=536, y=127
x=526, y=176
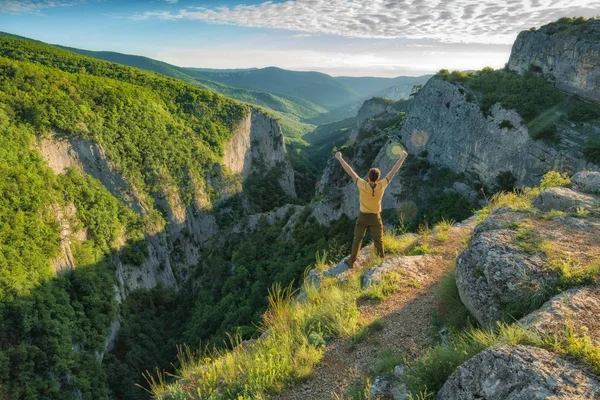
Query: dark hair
x=374, y=174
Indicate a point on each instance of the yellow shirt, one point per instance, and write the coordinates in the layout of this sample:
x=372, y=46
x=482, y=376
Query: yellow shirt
x=370, y=198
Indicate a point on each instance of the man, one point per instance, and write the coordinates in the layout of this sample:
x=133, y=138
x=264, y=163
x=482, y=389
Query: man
x=370, y=195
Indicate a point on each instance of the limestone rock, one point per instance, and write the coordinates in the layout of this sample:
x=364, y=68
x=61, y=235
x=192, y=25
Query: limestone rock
x=564, y=199
x=257, y=145
x=587, y=181
x=569, y=58
x=519, y=373
x=494, y=271
x=409, y=267
x=576, y=309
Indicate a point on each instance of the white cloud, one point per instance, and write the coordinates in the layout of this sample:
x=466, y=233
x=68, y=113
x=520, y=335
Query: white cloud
x=34, y=6
x=476, y=21
x=172, y=1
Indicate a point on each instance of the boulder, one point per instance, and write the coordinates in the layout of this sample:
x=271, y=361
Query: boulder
x=576, y=309
x=519, y=373
x=564, y=199
x=587, y=181
x=494, y=271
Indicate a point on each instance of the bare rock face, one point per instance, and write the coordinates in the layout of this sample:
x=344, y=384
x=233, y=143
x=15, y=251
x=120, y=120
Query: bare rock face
x=256, y=146
x=519, y=373
x=576, y=309
x=568, y=56
x=563, y=199
x=445, y=120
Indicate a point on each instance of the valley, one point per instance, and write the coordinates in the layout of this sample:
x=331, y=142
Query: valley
x=146, y=209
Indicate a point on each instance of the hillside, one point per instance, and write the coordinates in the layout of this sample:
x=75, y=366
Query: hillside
x=116, y=182
x=469, y=136
x=139, y=212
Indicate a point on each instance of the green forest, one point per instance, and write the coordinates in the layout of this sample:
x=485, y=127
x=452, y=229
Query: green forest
x=159, y=132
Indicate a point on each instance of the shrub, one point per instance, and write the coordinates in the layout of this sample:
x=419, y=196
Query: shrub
x=505, y=181
x=554, y=179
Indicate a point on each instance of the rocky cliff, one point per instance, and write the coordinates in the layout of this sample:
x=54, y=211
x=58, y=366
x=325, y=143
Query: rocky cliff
x=257, y=145
x=446, y=122
x=565, y=53
x=175, y=247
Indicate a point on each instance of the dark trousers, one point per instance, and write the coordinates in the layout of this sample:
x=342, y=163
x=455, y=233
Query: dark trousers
x=375, y=224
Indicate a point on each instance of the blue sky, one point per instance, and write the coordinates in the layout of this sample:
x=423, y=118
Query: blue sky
x=339, y=37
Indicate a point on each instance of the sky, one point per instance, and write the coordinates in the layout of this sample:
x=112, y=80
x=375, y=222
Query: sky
x=384, y=38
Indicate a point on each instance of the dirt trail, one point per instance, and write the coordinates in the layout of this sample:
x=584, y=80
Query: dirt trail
x=407, y=317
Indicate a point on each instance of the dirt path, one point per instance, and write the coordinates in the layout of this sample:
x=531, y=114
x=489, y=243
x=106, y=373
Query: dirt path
x=407, y=319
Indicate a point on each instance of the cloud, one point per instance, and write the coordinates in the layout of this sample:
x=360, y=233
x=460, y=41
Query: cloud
x=476, y=21
x=172, y=1
x=34, y=6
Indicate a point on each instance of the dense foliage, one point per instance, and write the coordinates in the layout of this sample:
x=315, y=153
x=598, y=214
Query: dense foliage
x=47, y=320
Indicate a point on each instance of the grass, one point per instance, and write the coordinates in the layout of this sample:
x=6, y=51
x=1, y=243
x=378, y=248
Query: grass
x=428, y=373
x=442, y=230
x=365, y=332
x=285, y=355
x=389, y=284
x=359, y=390
x=554, y=179
x=451, y=312
x=566, y=271
x=528, y=240
x=387, y=361
x=517, y=200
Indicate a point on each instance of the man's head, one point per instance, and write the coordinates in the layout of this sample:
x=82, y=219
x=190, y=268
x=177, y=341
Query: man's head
x=374, y=174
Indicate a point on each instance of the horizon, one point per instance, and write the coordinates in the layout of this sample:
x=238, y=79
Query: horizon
x=384, y=38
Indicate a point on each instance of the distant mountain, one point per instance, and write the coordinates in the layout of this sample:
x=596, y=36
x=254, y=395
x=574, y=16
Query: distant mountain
x=329, y=92
x=368, y=86
x=299, y=100
x=316, y=87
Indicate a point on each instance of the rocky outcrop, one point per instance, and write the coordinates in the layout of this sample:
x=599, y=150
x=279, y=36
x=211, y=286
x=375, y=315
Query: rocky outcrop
x=504, y=263
x=587, y=182
x=454, y=133
x=69, y=232
x=565, y=54
x=575, y=309
x=564, y=199
x=408, y=267
x=62, y=153
x=519, y=373
x=257, y=146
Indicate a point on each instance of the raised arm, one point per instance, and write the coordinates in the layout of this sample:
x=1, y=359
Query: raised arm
x=396, y=166
x=346, y=167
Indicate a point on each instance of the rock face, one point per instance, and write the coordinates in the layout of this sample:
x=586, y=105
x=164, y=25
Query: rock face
x=576, y=309
x=569, y=57
x=455, y=134
x=519, y=373
x=256, y=146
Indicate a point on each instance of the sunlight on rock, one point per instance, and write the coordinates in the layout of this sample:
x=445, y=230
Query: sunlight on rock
x=419, y=138
x=394, y=150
